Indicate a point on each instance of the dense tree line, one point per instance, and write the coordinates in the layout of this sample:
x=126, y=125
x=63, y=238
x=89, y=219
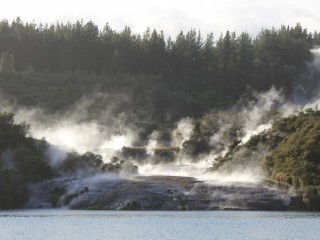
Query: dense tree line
x=226, y=65
x=53, y=66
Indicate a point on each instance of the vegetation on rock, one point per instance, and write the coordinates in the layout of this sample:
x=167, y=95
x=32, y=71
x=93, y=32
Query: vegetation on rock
x=290, y=155
x=22, y=160
x=296, y=158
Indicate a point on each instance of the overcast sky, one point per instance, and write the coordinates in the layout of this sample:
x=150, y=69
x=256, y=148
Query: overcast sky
x=171, y=16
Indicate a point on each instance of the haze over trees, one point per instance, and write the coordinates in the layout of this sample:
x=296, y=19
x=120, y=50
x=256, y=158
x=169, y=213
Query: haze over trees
x=25, y=161
x=53, y=66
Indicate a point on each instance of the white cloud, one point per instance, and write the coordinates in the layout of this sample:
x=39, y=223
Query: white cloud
x=171, y=16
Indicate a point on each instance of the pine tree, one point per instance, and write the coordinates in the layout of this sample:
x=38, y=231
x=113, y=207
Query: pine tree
x=7, y=62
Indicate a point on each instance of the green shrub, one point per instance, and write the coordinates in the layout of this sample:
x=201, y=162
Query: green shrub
x=13, y=193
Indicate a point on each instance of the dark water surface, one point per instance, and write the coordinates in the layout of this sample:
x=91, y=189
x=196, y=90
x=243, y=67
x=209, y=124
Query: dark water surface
x=154, y=225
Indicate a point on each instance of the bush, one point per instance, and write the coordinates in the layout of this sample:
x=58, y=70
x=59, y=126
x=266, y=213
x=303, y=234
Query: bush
x=13, y=194
x=85, y=163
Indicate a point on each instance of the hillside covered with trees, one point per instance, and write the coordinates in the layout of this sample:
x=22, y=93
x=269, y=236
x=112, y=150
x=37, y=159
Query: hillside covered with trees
x=53, y=66
x=288, y=152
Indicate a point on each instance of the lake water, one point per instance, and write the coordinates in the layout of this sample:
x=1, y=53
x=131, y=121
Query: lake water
x=154, y=225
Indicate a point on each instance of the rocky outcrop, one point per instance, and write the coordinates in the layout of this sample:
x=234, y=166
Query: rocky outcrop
x=158, y=193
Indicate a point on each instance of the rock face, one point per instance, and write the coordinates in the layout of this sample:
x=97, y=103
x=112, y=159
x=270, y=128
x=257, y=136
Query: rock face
x=157, y=193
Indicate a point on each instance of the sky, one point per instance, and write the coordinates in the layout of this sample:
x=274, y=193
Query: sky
x=171, y=16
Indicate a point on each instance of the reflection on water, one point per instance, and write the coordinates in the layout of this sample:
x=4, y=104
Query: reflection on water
x=66, y=224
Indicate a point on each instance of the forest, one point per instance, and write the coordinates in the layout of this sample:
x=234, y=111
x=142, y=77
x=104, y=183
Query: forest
x=157, y=79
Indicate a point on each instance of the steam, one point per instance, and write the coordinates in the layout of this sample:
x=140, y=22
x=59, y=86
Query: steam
x=245, y=175
x=182, y=132
x=254, y=118
x=6, y=160
x=152, y=143
x=257, y=115
x=316, y=61
x=83, y=129
x=74, y=130
x=55, y=155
